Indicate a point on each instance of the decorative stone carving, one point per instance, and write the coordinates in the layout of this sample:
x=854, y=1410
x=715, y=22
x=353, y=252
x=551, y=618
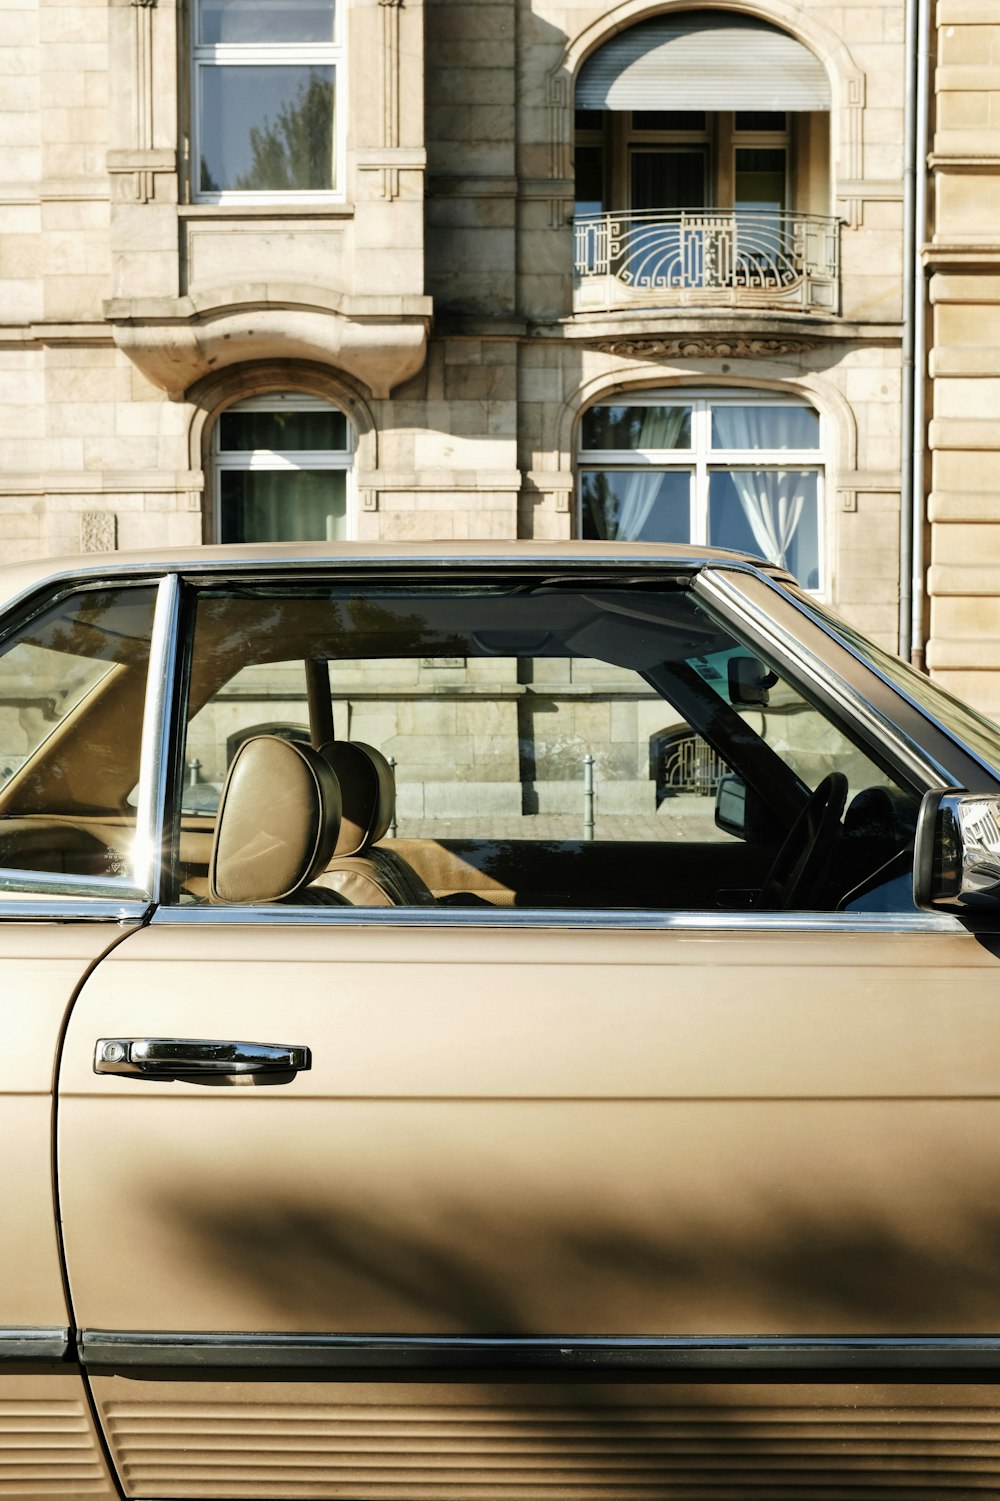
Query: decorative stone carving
x=707, y=346
x=98, y=531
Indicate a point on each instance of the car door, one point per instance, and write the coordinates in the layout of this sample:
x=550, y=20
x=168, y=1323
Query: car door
x=533, y=1193
x=72, y=688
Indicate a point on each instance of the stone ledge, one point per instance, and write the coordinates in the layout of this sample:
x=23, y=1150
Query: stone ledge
x=964, y=580
x=972, y=654
x=382, y=341
x=964, y=287
x=965, y=360
x=964, y=433
x=945, y=506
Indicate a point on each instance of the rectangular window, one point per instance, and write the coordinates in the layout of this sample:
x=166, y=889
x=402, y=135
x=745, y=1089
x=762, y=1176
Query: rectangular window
x=265, y=91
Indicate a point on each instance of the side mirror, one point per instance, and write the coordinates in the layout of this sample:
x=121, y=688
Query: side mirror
x=731, y=804
x=749, y=681
x=956, y=859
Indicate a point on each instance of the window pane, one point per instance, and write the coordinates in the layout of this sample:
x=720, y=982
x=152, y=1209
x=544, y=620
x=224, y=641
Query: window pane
x=72, y=691
x=500, y=711
x=668, y=119
x=234, y=21
x=589, y=180
x=631, y=428
x=590, y=119
x=645, y=505
x=242, y=432
x=772, y=513
x=266, y=129
x=283, y=505
x=764, y=427
x=760, y=179
x=668, y=179
x=756, y=119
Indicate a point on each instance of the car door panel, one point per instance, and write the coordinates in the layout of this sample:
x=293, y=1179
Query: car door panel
x=48, y=1444
x=516, y=1133
x=581, y=1132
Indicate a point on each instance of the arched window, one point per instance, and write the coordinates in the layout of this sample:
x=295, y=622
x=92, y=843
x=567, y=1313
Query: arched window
x=738, y=469
x=282, y=470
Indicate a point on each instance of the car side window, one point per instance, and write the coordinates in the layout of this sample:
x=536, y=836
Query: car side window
x=542, y=747
x=72, y=692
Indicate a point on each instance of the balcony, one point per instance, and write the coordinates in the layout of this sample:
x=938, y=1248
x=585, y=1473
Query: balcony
x=706, y=258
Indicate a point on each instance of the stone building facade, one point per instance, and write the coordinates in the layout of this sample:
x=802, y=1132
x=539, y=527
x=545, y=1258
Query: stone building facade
x=482, y=268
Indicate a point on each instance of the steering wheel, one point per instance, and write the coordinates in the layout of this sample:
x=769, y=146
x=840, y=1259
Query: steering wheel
x=799, y=868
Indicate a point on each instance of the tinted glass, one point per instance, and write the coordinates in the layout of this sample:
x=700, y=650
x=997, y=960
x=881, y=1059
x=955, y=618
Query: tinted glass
x=266, y=128
x=265, y=21
x=242, y=432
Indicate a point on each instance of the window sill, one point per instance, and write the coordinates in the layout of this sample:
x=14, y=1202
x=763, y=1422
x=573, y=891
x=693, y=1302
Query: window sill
x=275, y=208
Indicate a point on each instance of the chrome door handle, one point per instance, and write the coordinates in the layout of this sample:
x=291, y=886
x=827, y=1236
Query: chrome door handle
x=162, y=1056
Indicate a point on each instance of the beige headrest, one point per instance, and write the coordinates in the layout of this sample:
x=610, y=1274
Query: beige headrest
x=368, y=793
x=279, y=817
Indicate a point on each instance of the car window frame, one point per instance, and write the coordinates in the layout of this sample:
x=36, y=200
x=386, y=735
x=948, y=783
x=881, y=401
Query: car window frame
x=737, y=605
x=47, y=895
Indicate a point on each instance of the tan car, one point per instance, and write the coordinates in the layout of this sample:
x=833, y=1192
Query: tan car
x=517, y=1021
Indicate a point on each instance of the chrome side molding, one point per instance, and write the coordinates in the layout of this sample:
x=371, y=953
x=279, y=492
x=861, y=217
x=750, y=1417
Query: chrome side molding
x=115, y=1348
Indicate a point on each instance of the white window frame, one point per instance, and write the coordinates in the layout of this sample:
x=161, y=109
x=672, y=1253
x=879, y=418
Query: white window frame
x=701, y=460
x=275, y=54
x=271, y=459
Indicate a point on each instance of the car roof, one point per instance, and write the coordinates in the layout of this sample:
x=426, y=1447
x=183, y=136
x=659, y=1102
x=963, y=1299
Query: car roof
x=22, y=578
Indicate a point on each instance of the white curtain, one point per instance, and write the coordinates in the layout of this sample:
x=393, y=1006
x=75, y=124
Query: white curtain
x=772, y=499
x=283, y=505
x=661, y=427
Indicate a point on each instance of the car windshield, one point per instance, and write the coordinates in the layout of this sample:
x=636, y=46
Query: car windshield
x=980, y=734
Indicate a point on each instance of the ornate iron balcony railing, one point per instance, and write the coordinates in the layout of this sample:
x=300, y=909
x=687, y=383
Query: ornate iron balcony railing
x=706, y=258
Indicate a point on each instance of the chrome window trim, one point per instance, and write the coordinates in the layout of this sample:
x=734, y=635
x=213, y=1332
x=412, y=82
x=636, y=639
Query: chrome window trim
x=35, y=1342
x=223, y=568
x=284, y=915
x=56, y=908
x=113, y=1347
x=713, y=586
x=147, y=848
